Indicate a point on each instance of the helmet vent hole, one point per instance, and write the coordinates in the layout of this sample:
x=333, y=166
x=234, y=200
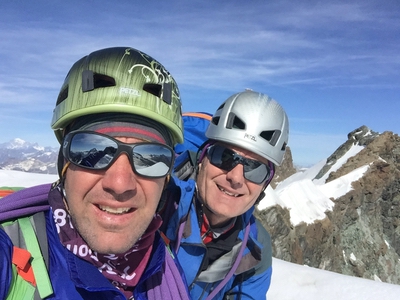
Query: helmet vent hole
x=271, y=136
x=161, y=91
x=222, y=105
x=91, y=81
x=215, y=120
x=103, y=81
x=234, y=122
x=63, y=95
x=283, y=147
x=238, y=124
x=152, y=88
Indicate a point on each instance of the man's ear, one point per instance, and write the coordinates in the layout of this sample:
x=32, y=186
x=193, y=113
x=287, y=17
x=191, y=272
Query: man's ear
x=196, y=170
x=167, y=178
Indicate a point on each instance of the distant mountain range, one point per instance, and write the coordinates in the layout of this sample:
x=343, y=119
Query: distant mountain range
x=20, y=155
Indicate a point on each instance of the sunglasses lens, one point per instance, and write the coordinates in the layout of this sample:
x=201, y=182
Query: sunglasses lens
x=222, y=157
x=91, y=151
x=96, y=152
x=226, y=159
x=152, y=160
x=256, y=174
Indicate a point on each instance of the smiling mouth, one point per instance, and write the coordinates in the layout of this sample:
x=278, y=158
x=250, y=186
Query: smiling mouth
x=115, y=211
x=227, y=193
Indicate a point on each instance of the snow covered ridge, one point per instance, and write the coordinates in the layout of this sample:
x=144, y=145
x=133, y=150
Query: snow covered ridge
x=343, y=213
x=18, y=143
x=308, y=199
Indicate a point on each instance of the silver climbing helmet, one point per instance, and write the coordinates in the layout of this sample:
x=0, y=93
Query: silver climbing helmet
x=252, y=121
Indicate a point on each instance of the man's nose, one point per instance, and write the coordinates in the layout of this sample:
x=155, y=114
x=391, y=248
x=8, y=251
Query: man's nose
x=235, y=176
x=119, y=179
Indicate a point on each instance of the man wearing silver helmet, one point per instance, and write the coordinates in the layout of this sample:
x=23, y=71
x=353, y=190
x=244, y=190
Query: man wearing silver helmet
x=224, y=251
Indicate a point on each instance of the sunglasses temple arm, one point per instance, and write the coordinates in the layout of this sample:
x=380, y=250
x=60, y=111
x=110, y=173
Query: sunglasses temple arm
x=272, y=174
x=202, y=151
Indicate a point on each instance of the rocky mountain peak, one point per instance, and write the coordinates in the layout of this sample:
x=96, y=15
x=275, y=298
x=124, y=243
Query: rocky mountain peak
x=360, y=137
x=376, y=147
x=285, y=170
x=360, y=234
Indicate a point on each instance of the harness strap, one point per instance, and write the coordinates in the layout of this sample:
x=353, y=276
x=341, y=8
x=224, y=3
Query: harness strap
x=39, y=223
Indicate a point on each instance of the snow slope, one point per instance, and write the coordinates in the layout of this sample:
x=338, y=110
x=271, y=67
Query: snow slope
x=24, y=179
x=295, y=282
x=308, y=199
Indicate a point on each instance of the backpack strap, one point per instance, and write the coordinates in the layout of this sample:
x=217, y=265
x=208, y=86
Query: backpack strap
x=185, y=166
x=22, y=218
x=38, y=263
x=30, y=233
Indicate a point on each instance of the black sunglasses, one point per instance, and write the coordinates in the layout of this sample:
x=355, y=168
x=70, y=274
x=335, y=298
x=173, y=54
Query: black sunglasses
x=96, y=151
x=253, y=170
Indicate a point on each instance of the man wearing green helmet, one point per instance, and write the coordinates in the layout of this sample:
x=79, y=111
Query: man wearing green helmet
x=224, y=251
x=117, y=117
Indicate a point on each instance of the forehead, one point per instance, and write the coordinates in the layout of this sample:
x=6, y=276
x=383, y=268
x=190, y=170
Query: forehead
x=244, y=152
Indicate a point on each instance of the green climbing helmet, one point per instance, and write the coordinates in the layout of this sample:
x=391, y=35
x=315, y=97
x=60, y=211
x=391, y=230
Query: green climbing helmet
x=119, y=79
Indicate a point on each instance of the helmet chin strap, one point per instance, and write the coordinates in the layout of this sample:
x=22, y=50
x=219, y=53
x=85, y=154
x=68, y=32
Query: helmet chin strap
x=262, y=194
x=65, y=198
x=62, y=187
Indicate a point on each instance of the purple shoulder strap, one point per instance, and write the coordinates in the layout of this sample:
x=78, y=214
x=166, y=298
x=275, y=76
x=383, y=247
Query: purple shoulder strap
x=24, y=202
x=234, y=266
x=172, y=285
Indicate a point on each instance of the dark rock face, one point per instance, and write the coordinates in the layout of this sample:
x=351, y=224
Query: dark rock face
x=285, y=170
x=361, y=235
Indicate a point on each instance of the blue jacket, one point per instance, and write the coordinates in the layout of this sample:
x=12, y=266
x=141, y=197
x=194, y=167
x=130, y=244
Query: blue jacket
x=74, y=278
x=253, y=275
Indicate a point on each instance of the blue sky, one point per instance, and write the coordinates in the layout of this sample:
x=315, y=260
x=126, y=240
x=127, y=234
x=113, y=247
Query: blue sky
x=333, y=65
